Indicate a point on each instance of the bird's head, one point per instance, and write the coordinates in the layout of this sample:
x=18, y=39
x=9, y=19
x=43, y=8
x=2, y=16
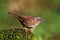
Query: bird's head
x=38, y=19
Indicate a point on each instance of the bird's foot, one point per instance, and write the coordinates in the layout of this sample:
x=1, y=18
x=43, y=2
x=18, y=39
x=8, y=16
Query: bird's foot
x=30, y=31
x=25, y=29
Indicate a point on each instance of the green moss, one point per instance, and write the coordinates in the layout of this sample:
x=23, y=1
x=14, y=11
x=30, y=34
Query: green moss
x=15, y=34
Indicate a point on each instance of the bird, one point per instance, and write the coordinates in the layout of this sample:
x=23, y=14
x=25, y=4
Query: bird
x=28, y=22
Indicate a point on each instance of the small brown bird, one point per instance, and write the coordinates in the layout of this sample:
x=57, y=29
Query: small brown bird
x=28, y=22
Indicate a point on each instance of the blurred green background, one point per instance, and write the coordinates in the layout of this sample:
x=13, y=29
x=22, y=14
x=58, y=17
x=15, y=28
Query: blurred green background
x=48, y=10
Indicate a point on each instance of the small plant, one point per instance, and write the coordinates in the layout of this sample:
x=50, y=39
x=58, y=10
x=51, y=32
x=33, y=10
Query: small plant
x=15, y=34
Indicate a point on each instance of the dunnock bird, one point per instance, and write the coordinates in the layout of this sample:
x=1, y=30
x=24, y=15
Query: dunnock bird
x=28, y=22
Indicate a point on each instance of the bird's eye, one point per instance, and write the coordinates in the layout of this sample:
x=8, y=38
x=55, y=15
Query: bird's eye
x=38, y=18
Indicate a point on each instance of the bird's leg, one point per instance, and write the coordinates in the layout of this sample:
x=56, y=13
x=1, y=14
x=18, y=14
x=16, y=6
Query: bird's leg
x=31, y=32
x=25, y=29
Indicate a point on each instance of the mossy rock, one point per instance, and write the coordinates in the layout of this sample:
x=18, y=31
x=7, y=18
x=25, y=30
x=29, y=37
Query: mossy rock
x=15, y=34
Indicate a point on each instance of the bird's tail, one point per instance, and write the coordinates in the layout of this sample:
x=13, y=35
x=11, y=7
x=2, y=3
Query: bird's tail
x=15, y=15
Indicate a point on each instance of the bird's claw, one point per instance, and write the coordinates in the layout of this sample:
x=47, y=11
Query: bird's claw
x=25, y=29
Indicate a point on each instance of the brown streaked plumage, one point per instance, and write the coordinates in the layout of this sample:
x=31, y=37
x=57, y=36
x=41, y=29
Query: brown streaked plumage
x=27, y=21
